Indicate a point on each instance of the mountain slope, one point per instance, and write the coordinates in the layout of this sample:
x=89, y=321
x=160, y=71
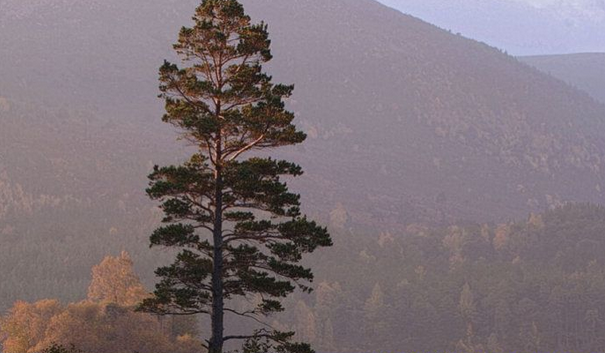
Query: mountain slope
x=406, y=123
x=400, y=113
x=431, y=117
x=585, y=71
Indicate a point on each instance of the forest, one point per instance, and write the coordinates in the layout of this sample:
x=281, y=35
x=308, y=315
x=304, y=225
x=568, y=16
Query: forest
x=380, y=185
x=528, y=286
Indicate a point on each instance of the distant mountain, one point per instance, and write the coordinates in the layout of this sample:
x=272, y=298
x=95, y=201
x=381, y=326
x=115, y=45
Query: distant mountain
x=407, y=123
x=522, y=27
x=584, y=71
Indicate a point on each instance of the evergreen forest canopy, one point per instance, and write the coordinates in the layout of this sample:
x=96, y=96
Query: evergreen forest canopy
x=459, y=133
x=528, y=286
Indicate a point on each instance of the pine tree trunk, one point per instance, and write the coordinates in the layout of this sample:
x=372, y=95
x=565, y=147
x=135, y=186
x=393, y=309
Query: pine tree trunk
x=217, y=315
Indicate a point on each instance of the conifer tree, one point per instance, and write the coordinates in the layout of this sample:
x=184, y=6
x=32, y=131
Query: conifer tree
x=239, y=231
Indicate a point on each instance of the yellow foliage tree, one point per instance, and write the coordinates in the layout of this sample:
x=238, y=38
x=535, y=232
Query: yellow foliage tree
x=114, y=281
x=26, y=324
x=100, y=328
x=106, y=322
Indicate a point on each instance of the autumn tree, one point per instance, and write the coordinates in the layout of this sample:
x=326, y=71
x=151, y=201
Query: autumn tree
x=114, y=281
x=98, y=328
x=25, y=325
x=374, y=313
x=239, y=230
x=106, y=322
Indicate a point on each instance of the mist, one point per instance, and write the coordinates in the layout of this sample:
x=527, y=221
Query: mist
x=433, y=182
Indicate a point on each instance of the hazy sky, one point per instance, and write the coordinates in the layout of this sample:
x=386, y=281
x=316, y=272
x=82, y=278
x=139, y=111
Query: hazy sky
x=518, y=26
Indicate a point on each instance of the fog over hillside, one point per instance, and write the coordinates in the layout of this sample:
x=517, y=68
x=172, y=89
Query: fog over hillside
x=407, y=124
x=442, y=108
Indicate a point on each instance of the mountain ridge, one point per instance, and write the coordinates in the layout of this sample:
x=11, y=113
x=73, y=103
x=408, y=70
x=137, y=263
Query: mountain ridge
x=582, y=70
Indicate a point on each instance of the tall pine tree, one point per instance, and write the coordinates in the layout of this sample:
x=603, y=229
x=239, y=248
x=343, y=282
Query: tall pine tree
x=239, y=231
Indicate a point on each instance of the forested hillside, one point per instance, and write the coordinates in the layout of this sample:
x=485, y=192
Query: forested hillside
x=528, y=286
x=407, y=123
x=68, y=198
x=425, y=112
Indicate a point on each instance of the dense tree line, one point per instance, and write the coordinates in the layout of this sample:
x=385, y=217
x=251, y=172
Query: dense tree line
x=529, y=286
